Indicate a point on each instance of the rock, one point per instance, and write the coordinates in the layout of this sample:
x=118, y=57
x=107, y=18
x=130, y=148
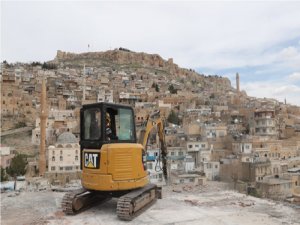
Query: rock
x=192, y=202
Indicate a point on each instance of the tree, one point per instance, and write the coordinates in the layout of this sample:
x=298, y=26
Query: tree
x=172, y=89
x=156, y=88
x=20, y=124
x=17, y=166
x=173, y=118
x=36, y=63
x=49, y=66
x=3, y=174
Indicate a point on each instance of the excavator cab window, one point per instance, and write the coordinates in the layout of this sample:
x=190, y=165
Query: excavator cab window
x=102, y=123
x=92, y=124
x=119, y=125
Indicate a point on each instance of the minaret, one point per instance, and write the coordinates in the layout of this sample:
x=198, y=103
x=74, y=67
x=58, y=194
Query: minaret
x=43, y=117
x=237, y=83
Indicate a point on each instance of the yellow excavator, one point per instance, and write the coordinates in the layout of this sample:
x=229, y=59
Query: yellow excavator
x=113, y=162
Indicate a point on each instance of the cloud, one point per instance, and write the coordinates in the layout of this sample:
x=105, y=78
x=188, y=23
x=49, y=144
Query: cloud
x=195, y=34
x=294, y=76
x=261, y=40
x=289, y=52
x=278, y=90
x=286, y=90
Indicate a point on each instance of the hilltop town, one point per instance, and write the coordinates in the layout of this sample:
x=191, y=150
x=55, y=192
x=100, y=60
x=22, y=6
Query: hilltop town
x=214, y=131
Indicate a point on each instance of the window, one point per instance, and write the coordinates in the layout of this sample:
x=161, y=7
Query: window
x=202, y=145
x=76, y=157
x=61, y=168
x=67, y=168
x=52, y=168
x=53, y=158
x=191, y=179
x=180, y=153
x=173, y=153
x=150, y=166
x=61, y=158
x=216, y=166
x=124, y=126
x=190, y=146
x=92, y=124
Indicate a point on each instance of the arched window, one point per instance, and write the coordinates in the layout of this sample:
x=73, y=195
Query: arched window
x=76, y=157
x=68, y=146
x=53, y=158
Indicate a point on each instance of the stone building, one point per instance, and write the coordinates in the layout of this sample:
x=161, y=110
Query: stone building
x=64, y=156
x=6, y=156
x=265, y=123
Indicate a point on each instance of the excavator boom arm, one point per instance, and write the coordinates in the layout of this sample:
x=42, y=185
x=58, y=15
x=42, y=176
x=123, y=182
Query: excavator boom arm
x=155, y=120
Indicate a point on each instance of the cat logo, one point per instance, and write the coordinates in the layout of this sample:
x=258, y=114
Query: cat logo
x=91, y=160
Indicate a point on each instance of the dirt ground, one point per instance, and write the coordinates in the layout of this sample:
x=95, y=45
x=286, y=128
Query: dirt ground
x=212, y=204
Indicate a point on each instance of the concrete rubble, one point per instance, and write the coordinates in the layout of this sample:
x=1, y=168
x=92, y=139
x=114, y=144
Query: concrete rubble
x=181, y=204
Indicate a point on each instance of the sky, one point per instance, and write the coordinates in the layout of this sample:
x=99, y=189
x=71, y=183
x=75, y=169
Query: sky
x=258, y=39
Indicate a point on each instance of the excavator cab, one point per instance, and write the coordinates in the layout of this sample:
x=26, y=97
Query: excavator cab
x=113, y=164
x=104, y=123
x=112, y=160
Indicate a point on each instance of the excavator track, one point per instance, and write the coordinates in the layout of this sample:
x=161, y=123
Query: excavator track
x=135, y=202
x=76, y=201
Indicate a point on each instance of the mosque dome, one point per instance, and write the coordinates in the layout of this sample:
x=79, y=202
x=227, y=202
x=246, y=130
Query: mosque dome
x=66, y=138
